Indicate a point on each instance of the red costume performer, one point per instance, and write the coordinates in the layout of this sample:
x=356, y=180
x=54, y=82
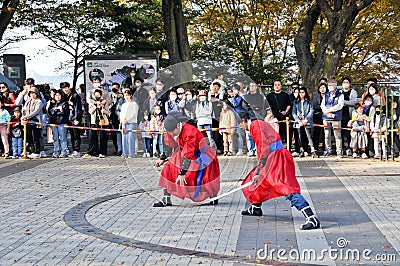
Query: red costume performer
x=193, y=169
x=274, y=176
x=278, y=177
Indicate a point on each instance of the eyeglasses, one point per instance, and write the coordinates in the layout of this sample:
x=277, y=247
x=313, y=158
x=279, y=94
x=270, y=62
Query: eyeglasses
x=3, y=87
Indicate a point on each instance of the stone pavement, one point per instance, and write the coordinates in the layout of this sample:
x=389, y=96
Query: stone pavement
x=98, y=212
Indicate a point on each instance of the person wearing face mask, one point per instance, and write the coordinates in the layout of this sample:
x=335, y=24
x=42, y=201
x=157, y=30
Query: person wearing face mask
x=188, y=105
x=350, y=98
x=150, y=101
x=216, y=99
x=75, y=117
x=130, y=80
x=172, y=105
x=318, y=131
x=203, y=115
x=141, y=94
x=332, y=105
x=157, y=125
x=378, y=126
x=99, y=113
x=227, y=124
x=369, y=112
x=193, y=170
x=114, y=117
x=96, y=85
x=237, y=103
x=144, y=126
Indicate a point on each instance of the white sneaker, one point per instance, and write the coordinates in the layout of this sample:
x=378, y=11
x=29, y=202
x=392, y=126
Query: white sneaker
x=43, y=154
x=102, y=156
x=364, y=156
x=348, y=152
x=34, y=156
x=144, y=155
x=355, y=155
x=295, y=154
x=148, y=155
x=240, y=152
x=305, y=153
x=74, y=154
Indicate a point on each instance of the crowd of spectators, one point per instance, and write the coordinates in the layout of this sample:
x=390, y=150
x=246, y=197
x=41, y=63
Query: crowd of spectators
x=358, y=123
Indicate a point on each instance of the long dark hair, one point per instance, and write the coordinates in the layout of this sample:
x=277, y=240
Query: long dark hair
x=306, y=96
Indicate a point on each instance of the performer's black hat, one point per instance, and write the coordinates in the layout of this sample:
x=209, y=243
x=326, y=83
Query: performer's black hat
x=170, y=123
x=249, y=114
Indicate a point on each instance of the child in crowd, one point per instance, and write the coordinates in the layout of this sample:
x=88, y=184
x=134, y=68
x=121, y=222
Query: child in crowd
x=227, y=122
x=378, y=124
x=146, y=136
x=17, y=133
x=270, y=119
x=157, y=124
x=5, y=117
x=358, y=135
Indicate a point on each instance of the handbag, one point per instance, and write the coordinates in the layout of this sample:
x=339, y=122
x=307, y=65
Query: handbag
x=17, y=132
x=102, y=120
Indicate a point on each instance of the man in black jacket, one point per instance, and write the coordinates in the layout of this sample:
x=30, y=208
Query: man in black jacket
x=258, y=103
x=280, y=106
x=75, y=117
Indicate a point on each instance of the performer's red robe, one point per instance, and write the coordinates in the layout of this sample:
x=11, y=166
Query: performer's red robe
x=203, y=175
x=277, y=178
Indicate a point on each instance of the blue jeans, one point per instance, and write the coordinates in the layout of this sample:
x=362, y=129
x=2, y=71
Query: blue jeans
x=158, y=139
x=17, y=144
x=209, y=135
x=250, y=143
x=129, y=140
x=60, y=140
x=147, y=144
x=297, y=200
x=240, y=138
x=119, y=141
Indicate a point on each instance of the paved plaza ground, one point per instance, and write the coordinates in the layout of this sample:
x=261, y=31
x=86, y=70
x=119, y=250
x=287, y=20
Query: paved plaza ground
x=99, y=212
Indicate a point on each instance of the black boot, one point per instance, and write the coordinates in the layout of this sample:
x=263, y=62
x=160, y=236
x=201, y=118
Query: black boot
x=312, y=221
x=214, y=202
x=165, y=201
x=253, y=210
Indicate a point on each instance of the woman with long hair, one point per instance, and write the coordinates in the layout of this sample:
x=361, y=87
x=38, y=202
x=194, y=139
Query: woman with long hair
x=303, y=111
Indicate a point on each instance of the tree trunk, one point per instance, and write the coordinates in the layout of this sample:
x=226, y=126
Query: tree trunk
x=7, y=12
x=177, y=40
x=330, y=44
x=175, y=31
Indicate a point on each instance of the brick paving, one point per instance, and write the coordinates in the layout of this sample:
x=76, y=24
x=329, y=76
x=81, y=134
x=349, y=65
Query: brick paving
x=98, y=212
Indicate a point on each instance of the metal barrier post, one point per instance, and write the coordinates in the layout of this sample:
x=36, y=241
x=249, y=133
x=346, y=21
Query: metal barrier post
x=24, y=141
x=287, y=134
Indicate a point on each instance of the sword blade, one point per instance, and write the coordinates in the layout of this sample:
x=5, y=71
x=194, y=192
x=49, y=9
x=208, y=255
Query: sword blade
x=232, y=191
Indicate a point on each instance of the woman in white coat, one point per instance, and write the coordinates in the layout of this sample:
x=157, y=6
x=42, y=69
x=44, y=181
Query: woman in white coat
x=128, y=118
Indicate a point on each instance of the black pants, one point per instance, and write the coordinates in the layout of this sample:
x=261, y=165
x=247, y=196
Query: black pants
x=318, y=133
x=218, y=139
x=345, y=135
x=94, y=147
x=75, y=137
x=114, y=138
x=33, y=137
